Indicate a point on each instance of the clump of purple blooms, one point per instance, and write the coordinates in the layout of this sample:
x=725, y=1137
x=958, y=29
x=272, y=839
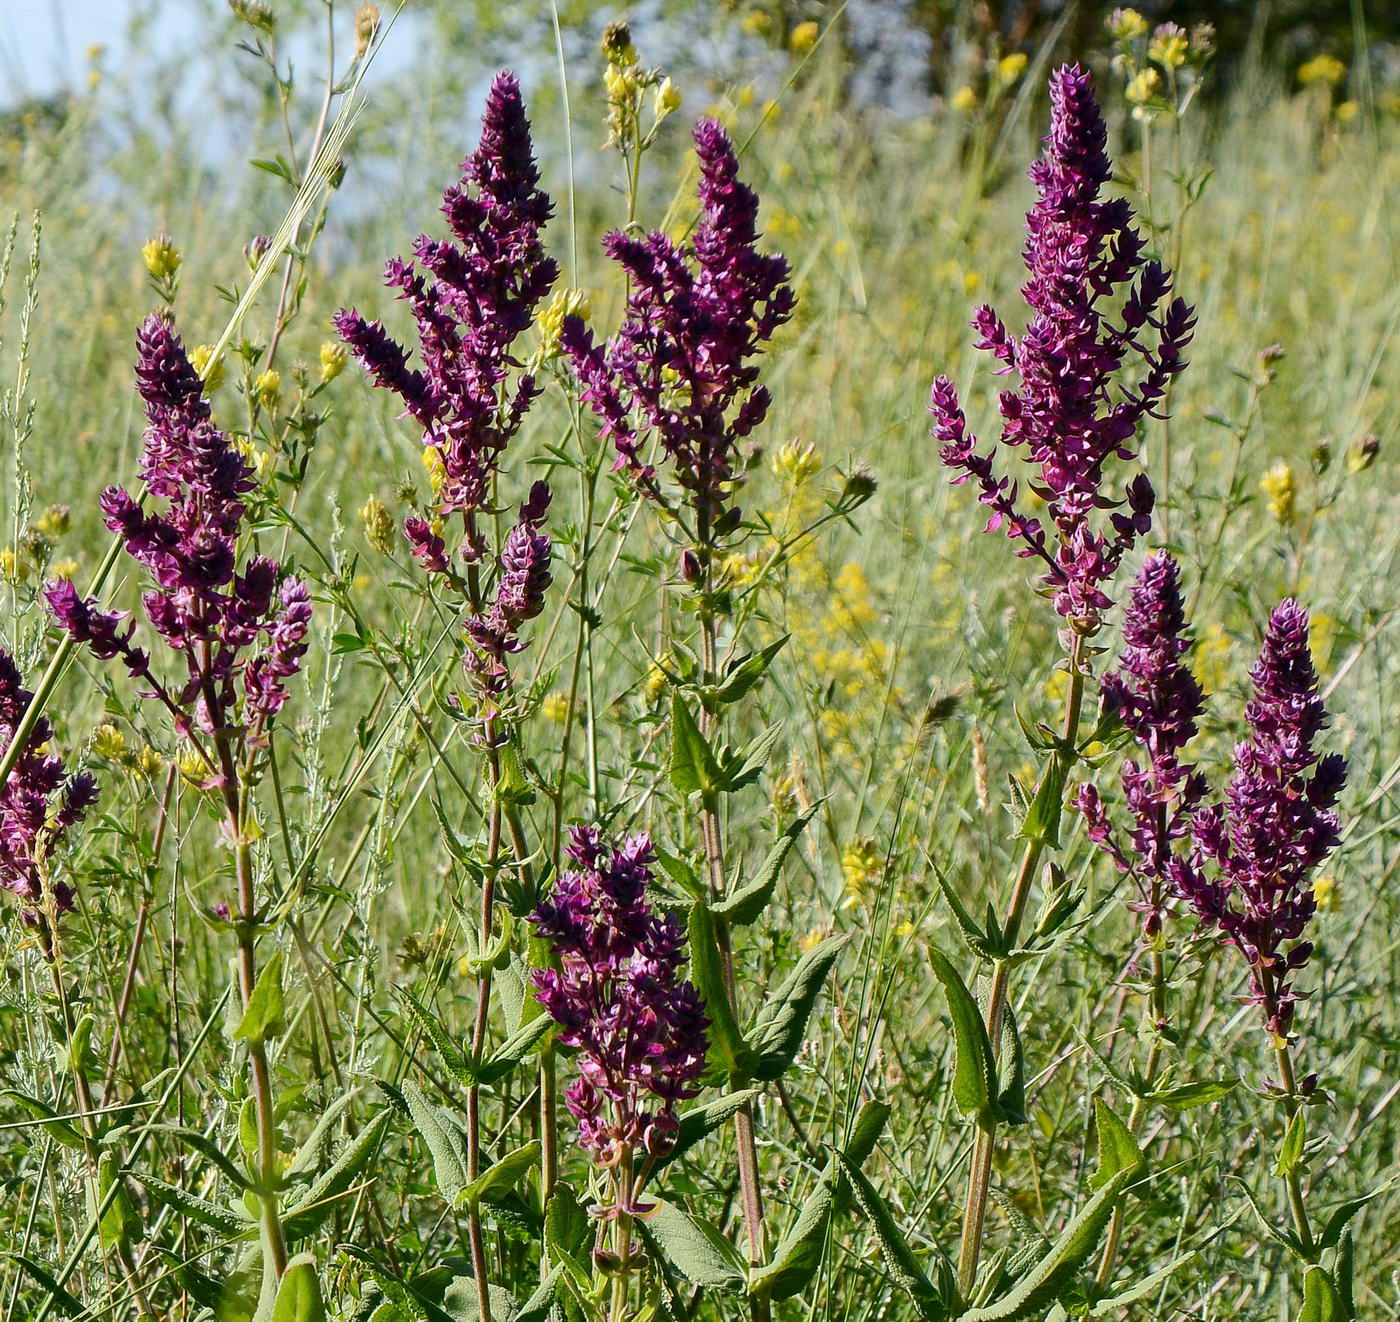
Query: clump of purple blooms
x=39, y=801
x=1276, y=823
x=1243, y=864
x=619, y=997
x=1158, y=700
x=681, y=367
x=471, y=300
x=241, y=633
x=1070, y=413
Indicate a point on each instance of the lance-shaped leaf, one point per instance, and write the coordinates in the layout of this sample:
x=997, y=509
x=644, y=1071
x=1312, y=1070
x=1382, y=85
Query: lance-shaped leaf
x=1340, y=1217
x=743, y=673
x=567, y=1232
x=315, y=1206
x=223, y=1219
x=540, y=1304
x=299, y=1293
x=47, y=1120
x=265, y=1017
x=693, y=1247
x=1113, y=1305
x=411, y=1301
x=1042, y=819
x=979, y=942
x=975, y=1090
x=700, y=1121
x=501, y=1177
x=1118, y=1149
x=799, y=1257
x=779, y=1027
x=1011, y=1099
x=1321, y=1300
x=899, y=1258
x=1184, y=1096
x=707, y=972
x=738, y=769
x=513, y=1050
x=693, y=768
x=436, y=1032
x=744, y=905
x=1290, y=1154
x=1044, y=1283
x=445, y=1141
x=64, y=1301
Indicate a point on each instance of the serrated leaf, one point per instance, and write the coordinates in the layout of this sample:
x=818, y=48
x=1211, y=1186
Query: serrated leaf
x=567, y=1232
x=314, y=1208
x=410, y=1301
x=1042, y=820
x=1118, y=1149
x=503, y=1176
x=744, y=767
x=1112, y=1305
x=744, y=905
x=62, y=1299
x=436, y=1033
x=539, y=1305
x=206, y=1147
x=681, y=874
x=706, y=972
x=899, y=1258
x=1011, y=1099
x=60, y=1130
x=265, y=1016
x=744, y=673
x=1186, y=1095
x=975, y=1074
x=513, y=1050
x=1077, y=1242
x=692, y=768
x=299, y=1293
x=1290, y=1153
x=693, y=1247
x=700, y=1121
x=1283, y=1237
x=973, y=936
x=445, y=1142
x=181, y=1201
x=1321, y=1302
x=779, y=1027
x=1340, y=1217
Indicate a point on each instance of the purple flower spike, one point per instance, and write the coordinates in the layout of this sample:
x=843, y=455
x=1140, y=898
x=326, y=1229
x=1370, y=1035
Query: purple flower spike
x=618, y=997
x=200, y=602
x=1070, y=412
x=681, y=367
x=39, y=803
x=1159, y=700
x=471, y=297
x=1276, y=824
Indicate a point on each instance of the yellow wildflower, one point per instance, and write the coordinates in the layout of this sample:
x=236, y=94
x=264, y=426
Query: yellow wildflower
x=861, y=864
x=437, y=471
x=1011, y=67
x=804, y=36
x=964, y=99
x=12, y=567
x=1327, y=894
x=565, y=303
x=334, y=356
x=1280, y=484
x=64, y=568
x=54, y=521
x=556, y=707
x=797, y=462
x=1168, y=47
x=1127, y=24
x=666, y=100
x=161, y=256
x=108, y=742
x=379, y=527
x=1321, y=69
x=210, y=372
x=267, y=388
x=1143, y=87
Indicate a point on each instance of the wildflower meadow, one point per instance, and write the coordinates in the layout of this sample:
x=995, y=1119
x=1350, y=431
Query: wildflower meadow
x=722, y=662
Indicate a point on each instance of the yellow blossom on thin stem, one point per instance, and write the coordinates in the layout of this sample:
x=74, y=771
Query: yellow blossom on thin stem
x=210, y=372
x=1280, y=485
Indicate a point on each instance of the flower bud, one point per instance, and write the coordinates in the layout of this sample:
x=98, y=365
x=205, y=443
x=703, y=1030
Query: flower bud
x=334, y=356
x=1362, y=453
x=366, y=27
x=379, y=527
x=617, y=44
x=255, y=250
x=804, y=37
x=690, y=568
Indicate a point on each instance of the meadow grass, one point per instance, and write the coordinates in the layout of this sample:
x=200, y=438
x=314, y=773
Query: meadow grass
x=915, y=642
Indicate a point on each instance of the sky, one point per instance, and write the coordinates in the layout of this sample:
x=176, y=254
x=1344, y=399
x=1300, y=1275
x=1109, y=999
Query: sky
x=44, y=43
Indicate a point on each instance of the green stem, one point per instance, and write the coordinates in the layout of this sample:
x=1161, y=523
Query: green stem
x=1293, y=1181
x=980, y=1173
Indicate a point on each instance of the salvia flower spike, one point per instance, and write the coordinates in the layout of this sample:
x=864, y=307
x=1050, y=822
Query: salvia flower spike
x=1159, y=701
x=240, y=632
x=471, y=297
x=619, y=998
x=1275, y=826
x=1096, y=304
x=39, y=802
x=681, y=369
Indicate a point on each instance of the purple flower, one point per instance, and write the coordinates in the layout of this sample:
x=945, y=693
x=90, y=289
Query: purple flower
x=618, y=997
x=1276, y=824
x=1071, y=411
x=681, y=366
x=1159, y=700
x=470, y=299
x=200, y=602
x=39, y=802
x=524, y=576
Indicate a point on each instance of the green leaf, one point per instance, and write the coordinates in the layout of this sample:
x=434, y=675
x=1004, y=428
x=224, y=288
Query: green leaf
x=1186, y=1095
x=181, y=1201
x=513, y=1050
x=567, y=1232
x=693, y=1247
x=433, y=1029
x=1321, y=1302
x=265, y=1017
x=681, y=874
x=1284, y=1237
x=446, y=1143
x=899, y=1258
x=744, y=905
x=744, y=767
x=538, y=1306
x=1290, y=1153
x=693, y=769
x=975, y=1077
x=299, y=1293
x=206, y=1147
x=706, y=972
x=1112, y=1305
x=1340, y=1217
x=746, y=671
x=63, y=1300
x=121, y=1222
x=410, y=1301
x=1042, y=820
x=700, y=1121
x=1042, y=1285
x=1011, y=1100
x=779, y=1027
x=976, y=939
x=513, y=786
x=503, y=1175
x=314, y=1208
x=1118, y=1149
x=48, y=1120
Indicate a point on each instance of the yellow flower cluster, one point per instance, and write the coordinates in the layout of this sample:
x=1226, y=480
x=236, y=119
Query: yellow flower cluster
x=379, y=527
x=1322, y=69
x=1280, y=485
x=862, y=864
x=161, y=257
x=211, y=373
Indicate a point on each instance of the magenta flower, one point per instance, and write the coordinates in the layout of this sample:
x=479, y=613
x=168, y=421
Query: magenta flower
x=619, y=998
x=1276, y=824
x=471, y=297
x=240, y=635
x=1072, y=412
x=681, y=367
x=39, y=802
